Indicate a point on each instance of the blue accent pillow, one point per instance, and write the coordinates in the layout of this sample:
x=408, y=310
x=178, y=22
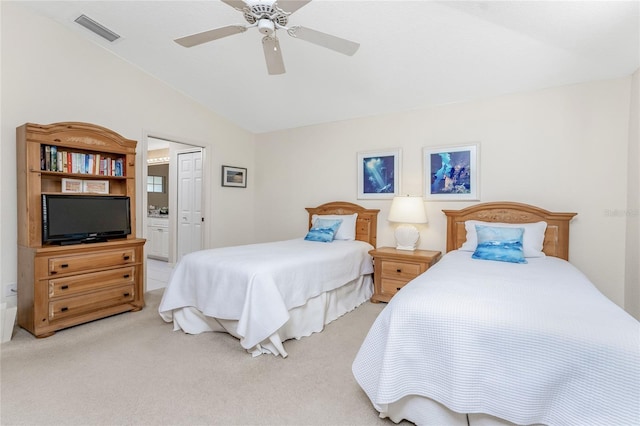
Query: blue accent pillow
x=323, y=230
x=501, y=244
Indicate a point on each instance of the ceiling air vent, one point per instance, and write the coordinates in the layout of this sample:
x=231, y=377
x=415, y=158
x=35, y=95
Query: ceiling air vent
x=97, y=28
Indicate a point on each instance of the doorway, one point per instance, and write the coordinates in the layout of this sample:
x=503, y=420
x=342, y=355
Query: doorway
x=174, y=191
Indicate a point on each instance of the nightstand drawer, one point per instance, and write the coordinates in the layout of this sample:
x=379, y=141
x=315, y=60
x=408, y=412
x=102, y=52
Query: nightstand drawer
x=391, y=287
x=400, y=270
x=394, y=268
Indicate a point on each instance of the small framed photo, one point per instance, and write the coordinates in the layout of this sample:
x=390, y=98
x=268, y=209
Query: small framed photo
x=451, y=173
x=234, y=176
x=379, y=174
x=71, y=185
x=96, y=186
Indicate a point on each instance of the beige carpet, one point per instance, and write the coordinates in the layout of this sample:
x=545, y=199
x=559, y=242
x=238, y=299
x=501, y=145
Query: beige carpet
x=132, y=369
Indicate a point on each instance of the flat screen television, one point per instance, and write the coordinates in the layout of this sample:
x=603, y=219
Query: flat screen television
x=74, y=219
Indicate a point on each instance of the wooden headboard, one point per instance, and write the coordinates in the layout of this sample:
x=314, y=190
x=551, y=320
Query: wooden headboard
x=556, y=238
x=366, y=224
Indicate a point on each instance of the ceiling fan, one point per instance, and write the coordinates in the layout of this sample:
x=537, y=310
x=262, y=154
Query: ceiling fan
x=268, y=17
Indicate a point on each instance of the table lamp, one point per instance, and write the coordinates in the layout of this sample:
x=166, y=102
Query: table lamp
x=407, y=210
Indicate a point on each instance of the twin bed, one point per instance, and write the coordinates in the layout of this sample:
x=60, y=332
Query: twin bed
x=469, y=342
x=264, y=294
x=486, y=342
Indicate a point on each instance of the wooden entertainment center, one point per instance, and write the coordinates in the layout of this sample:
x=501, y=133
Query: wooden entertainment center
x=60, y=286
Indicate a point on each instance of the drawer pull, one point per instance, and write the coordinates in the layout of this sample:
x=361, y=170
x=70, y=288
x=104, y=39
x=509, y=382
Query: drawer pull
x=125, y=276
x=64, y=287
x=64, y=265
x=398, y=270
x=126, y=294
x=126, y=257
x=63, y=309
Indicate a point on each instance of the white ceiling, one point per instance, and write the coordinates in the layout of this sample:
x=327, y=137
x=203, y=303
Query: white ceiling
x=412, y=54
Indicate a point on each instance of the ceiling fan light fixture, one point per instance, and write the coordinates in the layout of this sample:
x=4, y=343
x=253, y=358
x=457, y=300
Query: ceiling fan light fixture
x=266, y=26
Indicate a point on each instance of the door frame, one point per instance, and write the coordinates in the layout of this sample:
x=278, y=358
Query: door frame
x=142, y=171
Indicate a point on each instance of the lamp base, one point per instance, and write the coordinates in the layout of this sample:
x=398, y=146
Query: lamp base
x=406, y=237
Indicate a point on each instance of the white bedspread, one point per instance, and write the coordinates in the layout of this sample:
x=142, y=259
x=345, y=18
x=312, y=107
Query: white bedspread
x=533, y=343
x=258, y=284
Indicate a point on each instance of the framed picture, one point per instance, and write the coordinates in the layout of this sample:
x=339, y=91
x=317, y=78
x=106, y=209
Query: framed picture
x=451, y=173
x=96, y=186
x=234, y=176
x=71, y=185
x=379, y=174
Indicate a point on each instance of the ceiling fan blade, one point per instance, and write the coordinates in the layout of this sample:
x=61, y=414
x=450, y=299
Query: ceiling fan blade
x=292, y=5
x=273, y=55
x=206, y=36
x=236, y=4
x=325, y=40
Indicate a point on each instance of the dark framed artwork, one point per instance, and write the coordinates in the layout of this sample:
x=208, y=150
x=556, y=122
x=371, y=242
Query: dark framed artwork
x=234, y=176
x=379, y=174
x=451, y=173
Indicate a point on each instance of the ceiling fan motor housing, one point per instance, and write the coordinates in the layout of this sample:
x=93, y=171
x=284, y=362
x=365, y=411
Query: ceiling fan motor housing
x=265, y=10
x=265, y=26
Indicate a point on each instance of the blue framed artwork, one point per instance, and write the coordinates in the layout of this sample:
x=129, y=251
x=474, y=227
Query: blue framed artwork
x=379, y=174
x=451, y=173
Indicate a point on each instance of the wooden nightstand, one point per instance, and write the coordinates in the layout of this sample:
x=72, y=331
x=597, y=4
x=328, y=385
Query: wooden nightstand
x=394, y=268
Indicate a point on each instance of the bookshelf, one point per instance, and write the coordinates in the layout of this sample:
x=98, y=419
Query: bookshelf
x=63, y=286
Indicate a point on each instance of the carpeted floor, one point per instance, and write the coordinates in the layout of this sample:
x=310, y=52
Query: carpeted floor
x=132, y=369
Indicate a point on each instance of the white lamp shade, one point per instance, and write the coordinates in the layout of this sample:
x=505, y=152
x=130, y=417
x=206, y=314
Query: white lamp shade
x=407, y=209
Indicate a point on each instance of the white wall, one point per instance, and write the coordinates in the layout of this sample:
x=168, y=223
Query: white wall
x=562, y=149
x=51, y=75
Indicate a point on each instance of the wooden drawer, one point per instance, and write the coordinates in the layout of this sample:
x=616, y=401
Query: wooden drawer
x=390, y=286
x=71, y=306
x=403, y=271
x=395, y=268
x=68, y=286
x=75, y=263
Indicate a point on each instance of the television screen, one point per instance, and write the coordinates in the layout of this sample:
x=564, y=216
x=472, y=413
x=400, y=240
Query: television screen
x=84, y=218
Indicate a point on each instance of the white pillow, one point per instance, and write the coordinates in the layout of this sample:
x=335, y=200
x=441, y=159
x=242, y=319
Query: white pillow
x=347, y=230
x=532, y=240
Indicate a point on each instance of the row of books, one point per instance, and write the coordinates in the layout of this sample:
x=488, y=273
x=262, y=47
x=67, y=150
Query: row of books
x=54, y=160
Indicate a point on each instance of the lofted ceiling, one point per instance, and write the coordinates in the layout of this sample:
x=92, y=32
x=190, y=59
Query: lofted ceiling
x=413, y=54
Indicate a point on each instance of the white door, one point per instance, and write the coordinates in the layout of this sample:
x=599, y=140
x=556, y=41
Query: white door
x=189, y=220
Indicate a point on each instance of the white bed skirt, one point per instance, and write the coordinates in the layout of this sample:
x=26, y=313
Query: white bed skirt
x=303, y=320
x=425, y=411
